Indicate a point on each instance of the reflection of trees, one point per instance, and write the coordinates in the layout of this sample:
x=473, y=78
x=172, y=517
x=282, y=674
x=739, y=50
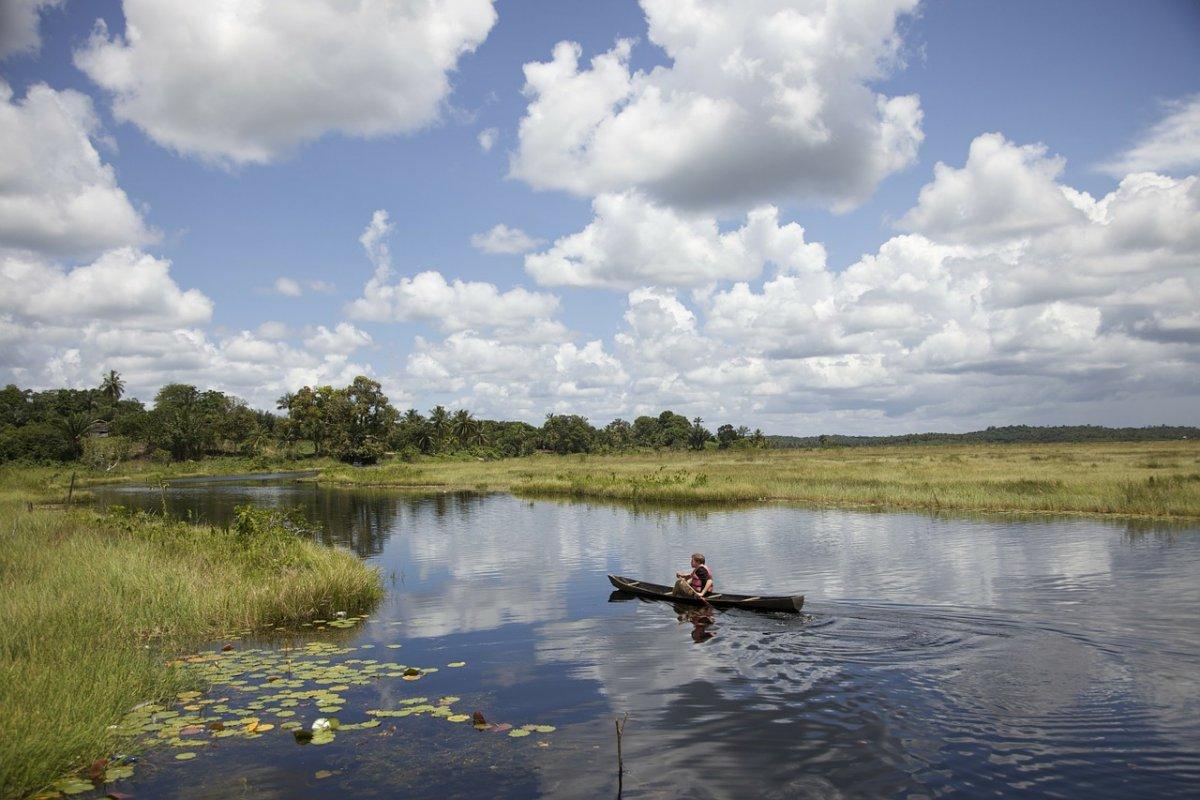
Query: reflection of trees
x=360, y=521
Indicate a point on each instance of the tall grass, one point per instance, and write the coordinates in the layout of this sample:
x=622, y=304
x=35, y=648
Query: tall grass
x=92, y=607
x=1157, y=479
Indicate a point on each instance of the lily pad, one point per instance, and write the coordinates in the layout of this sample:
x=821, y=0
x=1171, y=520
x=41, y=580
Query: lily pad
x=517, y=733
x=73, y=785
x=457, y=664
x=184, y=756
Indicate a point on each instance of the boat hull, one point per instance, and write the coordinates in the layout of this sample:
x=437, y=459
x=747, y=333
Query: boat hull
x=788, y=603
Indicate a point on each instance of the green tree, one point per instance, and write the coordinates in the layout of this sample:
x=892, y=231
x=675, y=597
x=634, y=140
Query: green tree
x=462, y=427
x=439, y=423
x=698, y=435
x=568, y=433
x=618, y=434
x=361, y=419
x=727, y=435
x=178, y=423
x=112, y=387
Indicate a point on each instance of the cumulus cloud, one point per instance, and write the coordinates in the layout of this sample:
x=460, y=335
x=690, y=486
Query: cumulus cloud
x=57, y=196
x=19, y=25
x=632, y=242
x=1171, y=145
x=123, y=286
x=503, y=239
x=288, y=287
x=1003, y=191
x=761, y=100
x=487, y=139
x=342, y=340
x=450, y=306
x=500, y=377
x=227, y=82
x=984, y=314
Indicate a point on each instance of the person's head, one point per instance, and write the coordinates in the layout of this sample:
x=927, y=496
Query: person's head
x=697, y=559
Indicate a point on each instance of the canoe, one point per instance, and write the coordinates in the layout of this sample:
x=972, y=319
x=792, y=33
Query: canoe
x=755, y=602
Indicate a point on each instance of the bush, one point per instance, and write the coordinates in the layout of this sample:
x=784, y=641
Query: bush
x=38, y=441
x=103, y=453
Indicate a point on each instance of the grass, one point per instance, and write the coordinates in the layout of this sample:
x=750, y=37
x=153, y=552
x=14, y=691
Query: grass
x=93, y=606
x=1152, y=479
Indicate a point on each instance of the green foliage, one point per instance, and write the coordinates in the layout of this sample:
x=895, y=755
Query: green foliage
x=92, y=606
x=567, y=433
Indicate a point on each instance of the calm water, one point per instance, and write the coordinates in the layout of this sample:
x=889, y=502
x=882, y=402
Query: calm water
x=939, y=655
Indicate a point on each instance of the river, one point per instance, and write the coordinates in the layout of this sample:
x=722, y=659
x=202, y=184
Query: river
x=937, y=655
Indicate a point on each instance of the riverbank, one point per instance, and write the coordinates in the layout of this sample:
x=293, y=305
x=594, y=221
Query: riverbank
x=1150, y=479
x=94, y=604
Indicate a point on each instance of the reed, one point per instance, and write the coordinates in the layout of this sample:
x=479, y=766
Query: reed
x=93, y=607
x=1153, y=479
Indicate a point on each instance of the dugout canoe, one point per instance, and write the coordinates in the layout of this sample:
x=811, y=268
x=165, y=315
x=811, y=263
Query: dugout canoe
x=755, y=602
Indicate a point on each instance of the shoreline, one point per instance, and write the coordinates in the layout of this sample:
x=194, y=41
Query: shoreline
x=97, y=605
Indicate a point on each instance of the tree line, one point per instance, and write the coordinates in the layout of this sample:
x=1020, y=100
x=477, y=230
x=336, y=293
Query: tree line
x=1005, y=434
x=355, y=423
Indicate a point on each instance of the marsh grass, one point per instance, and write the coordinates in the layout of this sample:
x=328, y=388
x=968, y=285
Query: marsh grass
x=1157, y=479
x=93, y=605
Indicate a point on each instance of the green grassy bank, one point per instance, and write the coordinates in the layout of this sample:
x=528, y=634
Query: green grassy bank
x=1155, y=479
x=94, y=605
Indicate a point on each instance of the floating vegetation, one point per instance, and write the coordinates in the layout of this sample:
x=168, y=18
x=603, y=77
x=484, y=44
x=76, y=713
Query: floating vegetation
x=256, y=692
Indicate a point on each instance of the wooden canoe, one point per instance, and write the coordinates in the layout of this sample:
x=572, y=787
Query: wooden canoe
x=755, y=602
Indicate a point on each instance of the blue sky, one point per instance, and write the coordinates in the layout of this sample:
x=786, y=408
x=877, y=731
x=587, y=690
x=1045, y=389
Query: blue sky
x=999, y=309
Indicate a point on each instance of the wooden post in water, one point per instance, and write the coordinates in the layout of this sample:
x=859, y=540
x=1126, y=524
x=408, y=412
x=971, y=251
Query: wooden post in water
x=620, y=725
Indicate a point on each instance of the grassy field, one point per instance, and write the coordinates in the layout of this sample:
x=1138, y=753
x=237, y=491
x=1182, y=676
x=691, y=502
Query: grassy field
x=1154, y=479
x=92, y=605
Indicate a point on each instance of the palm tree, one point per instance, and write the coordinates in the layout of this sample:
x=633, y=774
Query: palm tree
x=111, y=386
x=75, y=428
x=462, y=425
x=439, y=421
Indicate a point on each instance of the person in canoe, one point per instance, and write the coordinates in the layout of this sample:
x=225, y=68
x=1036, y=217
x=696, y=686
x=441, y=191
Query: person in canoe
x=698, y=582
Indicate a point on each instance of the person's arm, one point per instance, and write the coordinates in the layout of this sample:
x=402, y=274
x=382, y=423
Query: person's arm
x=707, y=588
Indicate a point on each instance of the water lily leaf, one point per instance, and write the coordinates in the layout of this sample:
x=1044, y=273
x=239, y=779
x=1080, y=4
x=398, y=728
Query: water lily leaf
x=457, y=664
x=544, y=728
x=458, y=717
x=412, y=701
x=73, y=785
x=323, y=737
x=393, y=647
x=322, y=774
x=184, y=756
x=287, y=712
x=518, y=732
x=117, y=773
x=263, y=727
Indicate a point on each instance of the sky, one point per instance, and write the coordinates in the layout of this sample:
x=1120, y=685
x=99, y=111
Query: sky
x=867, y=217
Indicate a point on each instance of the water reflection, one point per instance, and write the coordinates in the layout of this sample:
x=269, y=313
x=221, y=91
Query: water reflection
x=943, y=655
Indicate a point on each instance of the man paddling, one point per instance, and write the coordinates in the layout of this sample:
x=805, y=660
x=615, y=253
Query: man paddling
x=696, y=583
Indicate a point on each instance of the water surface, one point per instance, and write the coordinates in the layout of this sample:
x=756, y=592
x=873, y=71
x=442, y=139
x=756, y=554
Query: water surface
x=972, y=657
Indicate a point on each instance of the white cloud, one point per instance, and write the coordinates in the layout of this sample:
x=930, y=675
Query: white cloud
x=1171, y=145
x=456, y=305
x=503, y=239
x=451, y=305
x=634, y=242
x=1083, y=311
x=761, y=101
x=288, y=287
x=123, y=286
x=56, y=194
x=238, y=83
x=342, y=340
x=1003, y=191
x=19, y=25
x=487, y=139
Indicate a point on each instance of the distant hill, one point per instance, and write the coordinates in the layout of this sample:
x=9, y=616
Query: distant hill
x=1008, y=434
